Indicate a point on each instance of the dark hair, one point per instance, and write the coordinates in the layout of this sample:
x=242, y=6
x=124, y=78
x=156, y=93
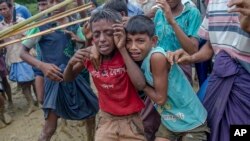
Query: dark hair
x=140, y=24
x=9, y=4
x=117, y=5
x=105, y=14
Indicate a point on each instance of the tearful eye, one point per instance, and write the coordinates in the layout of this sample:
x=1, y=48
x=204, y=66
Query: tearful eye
x=109, y=33
x=96, y=35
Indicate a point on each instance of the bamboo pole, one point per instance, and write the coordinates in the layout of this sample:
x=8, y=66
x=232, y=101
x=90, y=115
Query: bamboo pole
x=50, y=19
x=44, y=32
x=61, y=15
x=33, y=18
x=76, y=9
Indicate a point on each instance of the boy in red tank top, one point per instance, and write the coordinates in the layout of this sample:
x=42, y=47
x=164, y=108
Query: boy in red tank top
x=117, y=82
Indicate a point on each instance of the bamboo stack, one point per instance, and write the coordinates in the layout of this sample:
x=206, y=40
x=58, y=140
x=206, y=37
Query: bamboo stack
x=44, y=32
x=33, y=18
x=48, y=20
x=26, y=25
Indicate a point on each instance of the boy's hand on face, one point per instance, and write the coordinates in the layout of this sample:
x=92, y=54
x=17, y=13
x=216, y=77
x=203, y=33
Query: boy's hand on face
x=179, y=56
x=166, y=8
x=51, y=71
x=119, y=35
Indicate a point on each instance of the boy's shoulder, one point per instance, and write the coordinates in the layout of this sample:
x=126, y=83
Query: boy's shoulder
x=157, y=49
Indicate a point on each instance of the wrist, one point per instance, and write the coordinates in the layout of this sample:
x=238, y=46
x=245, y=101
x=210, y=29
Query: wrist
x=122, y=49
x=172, y=22
x=144, y=89
x=192, y=59
x=39, y=65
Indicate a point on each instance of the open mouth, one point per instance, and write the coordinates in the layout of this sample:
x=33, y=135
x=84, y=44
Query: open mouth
x=104, y=48
x=135, y=55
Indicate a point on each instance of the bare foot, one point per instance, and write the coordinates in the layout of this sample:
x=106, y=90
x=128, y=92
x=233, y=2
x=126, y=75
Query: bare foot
x=7, y=118
x=2, y=124
x=30, y=110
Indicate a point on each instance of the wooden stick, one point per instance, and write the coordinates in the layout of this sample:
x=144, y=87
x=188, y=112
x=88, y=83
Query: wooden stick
x=44, y=32
x=63, y=14
x=33, y=18
x=50, y=19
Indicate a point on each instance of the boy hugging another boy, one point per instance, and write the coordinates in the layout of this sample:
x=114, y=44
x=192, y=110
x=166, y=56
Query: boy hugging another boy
x=183, y=117
x=117, y=80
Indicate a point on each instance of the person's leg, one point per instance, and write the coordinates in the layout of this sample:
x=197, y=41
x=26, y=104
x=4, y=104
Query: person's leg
x=39, y=85
x=49, y=127
x=26, y=90
x=163, y=134
x=90, y=128
x=106, y=128
x=196, y=134
x=2, y=124
x=151, y=120
x=131, y=128
x=4, y=117
x=7, y=88
x=35, y=92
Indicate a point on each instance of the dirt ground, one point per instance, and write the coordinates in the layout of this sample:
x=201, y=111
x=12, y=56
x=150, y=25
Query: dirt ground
x=28, y=128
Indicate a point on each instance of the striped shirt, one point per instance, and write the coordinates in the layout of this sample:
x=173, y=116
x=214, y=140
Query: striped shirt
x=223, y=30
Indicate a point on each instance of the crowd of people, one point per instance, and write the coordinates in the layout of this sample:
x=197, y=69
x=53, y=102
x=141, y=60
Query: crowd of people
x=140, y=55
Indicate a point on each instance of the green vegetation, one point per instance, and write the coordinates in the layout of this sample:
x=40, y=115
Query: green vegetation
x=32, y=7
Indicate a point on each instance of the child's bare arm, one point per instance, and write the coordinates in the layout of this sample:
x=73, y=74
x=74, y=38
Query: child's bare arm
x=182, y=57
x=159, y=68
x=75, y=64
x=134, y=72
x=189, y=44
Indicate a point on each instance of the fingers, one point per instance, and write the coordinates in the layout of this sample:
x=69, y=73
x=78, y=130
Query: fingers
x=169, y=56
x=161, y=3
x=118, y=27
x=118, y=34
x=54, y=73
x=183, y=60
x=56, y=76
x=175, y=56
x=243, y=11
x=94, y=53
x=235, y=2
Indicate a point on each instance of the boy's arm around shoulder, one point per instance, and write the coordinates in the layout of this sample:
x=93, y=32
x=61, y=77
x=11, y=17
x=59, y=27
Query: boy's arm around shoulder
x=75, y=64
x=160, y=69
